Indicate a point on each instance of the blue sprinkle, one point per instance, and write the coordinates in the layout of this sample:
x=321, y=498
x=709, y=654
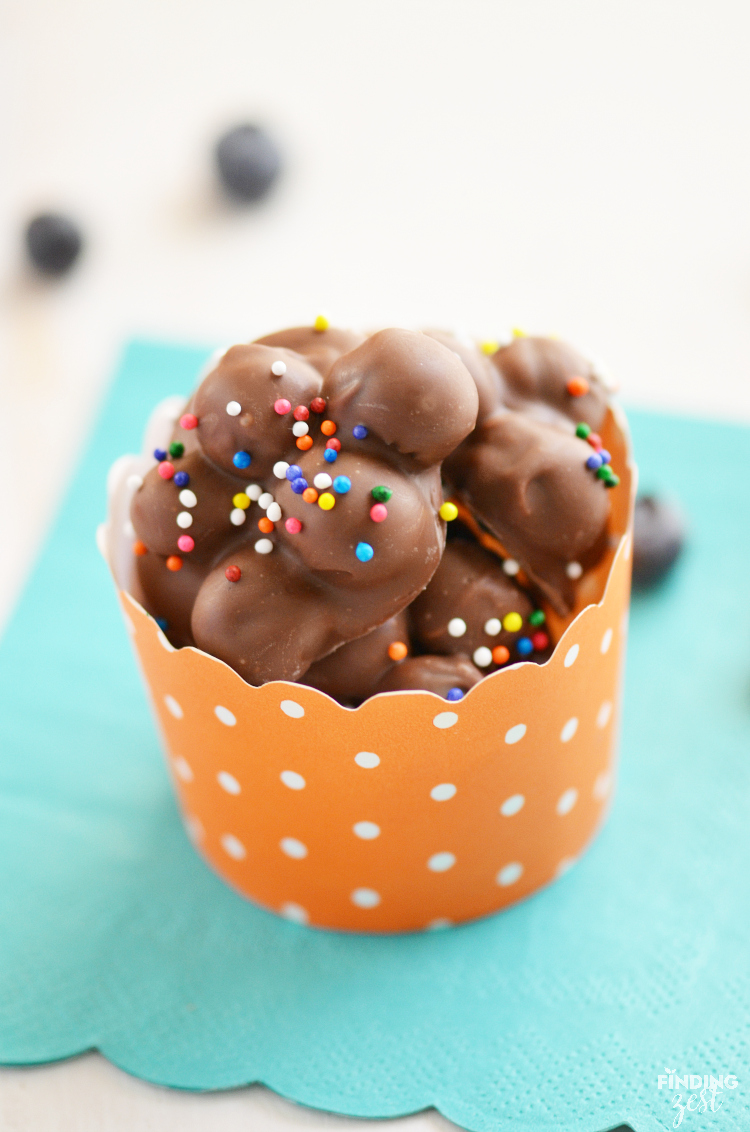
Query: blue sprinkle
x=359, y=432
x=594, y=461
x=242, y=459
x=330, y=455
x=162, y=623
x=524, y=646
x=159, y=454
x=454, y=694
x=604, y=455
x=299, y=485
x=181, y=479
x=364, y=551
x=293, y=472
x=342, y=484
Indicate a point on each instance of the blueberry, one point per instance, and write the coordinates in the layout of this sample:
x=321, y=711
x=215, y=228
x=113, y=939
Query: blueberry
x=53, y=243
x=248, y=162
x=658, y=538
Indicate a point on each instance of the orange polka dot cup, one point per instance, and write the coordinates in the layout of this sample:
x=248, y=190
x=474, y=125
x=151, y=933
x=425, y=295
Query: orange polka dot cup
x=408, y=812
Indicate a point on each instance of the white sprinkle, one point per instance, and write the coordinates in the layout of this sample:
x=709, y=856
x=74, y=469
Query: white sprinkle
x=574, y=570
x=263, y=545
x=274, y=512
x=253, y=491
x=322, y=481
x=134, y=482
x=456, y=627
x=300, y=428
x=483, y=657
x=493, y=626
x=184, y=520
x=280, y=469
x=265, y=500
x=188, y=498
x=278, y=369
x=511, y=567
x=234, y=408
x=237, y=517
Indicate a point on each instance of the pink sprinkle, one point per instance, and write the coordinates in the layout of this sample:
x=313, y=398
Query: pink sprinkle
x=378, y=513
x=166, y=470
x=186, y=543
x=301, y=413
x=333, y=443
x=293, y=526
x=282, y=406
x=188, y=421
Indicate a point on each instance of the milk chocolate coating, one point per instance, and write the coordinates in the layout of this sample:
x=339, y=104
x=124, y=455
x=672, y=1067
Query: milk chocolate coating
x=436, y=674
x=534, y=375
x=312, y=593
x=351, y=673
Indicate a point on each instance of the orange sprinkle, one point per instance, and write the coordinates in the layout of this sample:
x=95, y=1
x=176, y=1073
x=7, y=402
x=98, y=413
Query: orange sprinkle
x=500, y=654
x=397, y=651
x=310, y=495
x=304, y=442
x=328, y=428
x=174, y=562
x=577, y=386
x=140, y=548
x=265, y=525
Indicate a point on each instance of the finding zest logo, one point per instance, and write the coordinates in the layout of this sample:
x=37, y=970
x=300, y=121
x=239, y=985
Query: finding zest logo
x=701, y=1090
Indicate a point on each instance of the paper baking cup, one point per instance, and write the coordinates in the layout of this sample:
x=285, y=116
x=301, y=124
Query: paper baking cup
x=409, y=812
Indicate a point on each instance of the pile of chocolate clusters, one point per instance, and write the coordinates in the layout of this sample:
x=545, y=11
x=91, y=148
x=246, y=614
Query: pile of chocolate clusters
x=296, y=524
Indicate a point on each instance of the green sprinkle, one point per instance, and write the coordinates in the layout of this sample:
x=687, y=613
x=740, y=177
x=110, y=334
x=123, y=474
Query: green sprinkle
x=537, y=617
x=381, y=494
x=605, y=472
x=583, y=430
x=176, y=449
x=612, y=481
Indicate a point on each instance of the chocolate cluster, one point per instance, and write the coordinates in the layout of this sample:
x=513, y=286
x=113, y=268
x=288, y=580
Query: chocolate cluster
x=295, y=525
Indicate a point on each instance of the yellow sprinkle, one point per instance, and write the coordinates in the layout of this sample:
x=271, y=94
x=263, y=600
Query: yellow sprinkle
x=326, y=501
x=518, y=333
x=489, y=347
x=321, y=323
x=512, y=622
x=241, y=500
x=449, y=512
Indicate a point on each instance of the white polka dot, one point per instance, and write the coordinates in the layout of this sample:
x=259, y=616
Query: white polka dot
x=187, y=497
x=194, y=827
x=515, y=734
x=233, y=846
x=574, y=570
x=234, y=408
x=365, y=897
x=367, y=759
x=228, y=782
x=602, y=785
x=482, y=657
x=274, y=513
x=164, y=642
x=295, y=912
x=300, y=428
x=512, y=805
x=254, y=490
x=322, y=481
x=569, y=730
x=606, y=642
x=293, y=780
x=571, y=655
x=278, y=369
x=279, y=470
x=456, y=627
x=173, y=707
x=493, y=626
x=443, y=792
x=265, y=500
x=511, y=567
x=237, y=517
x=567, y=801
x=129, y=623
x=441, y=862
x=224, y=715
x=445, y=719
x=263, y=545
x=134, y=482
x=604, y=713
x=366, y=830
x=509, y=874
x=183, y=769
x=438, y=924
x=564, y=866
x=184, y=520
x=292, y=709
x=293, y=848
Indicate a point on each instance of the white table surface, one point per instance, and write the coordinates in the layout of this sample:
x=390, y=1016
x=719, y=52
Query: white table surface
x=580, y=168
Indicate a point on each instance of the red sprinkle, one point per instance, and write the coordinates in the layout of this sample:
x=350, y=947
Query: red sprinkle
x=577, y=386
x=540, y=641
x=174, y=563
x=335, y=444
x=328, y=428
x=318, y=405
x=282, y=406
x=378, y=513
x=140, y=548
x=595, y=440
x=293, y=526
x=186, y=543
x=301, y=413
x=233, y=573
x=166, y=470
x=188, y=421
